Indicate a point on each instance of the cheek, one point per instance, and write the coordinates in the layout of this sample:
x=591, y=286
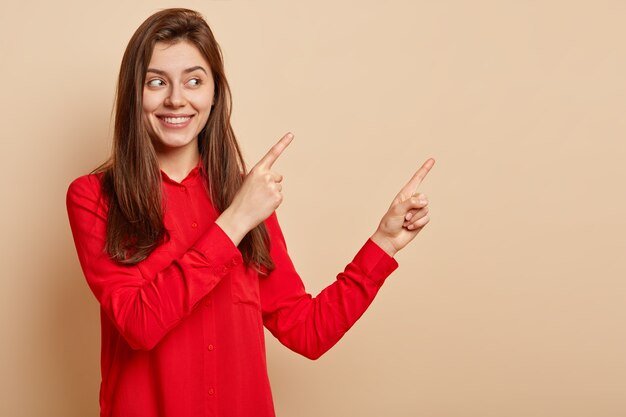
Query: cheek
x=150, y=101
x=204, y=102
x=204, y=99
x=203, y=105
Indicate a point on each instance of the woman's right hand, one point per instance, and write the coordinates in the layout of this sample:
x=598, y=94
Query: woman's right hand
x=259, y=196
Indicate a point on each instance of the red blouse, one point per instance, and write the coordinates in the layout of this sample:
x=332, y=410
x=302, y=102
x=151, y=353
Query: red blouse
x=182, y=331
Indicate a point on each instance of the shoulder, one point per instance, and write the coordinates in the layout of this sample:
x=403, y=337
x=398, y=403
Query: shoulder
x=85, y=184
x=85, y=190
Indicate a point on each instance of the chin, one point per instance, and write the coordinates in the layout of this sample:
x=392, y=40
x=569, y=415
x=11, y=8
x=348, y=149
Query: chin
x=173, y=142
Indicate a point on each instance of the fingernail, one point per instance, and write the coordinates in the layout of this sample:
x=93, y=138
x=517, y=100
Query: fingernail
x=408, y=216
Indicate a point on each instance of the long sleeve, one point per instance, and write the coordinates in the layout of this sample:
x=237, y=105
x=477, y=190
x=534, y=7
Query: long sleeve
x=144, y=306
x=312, y=325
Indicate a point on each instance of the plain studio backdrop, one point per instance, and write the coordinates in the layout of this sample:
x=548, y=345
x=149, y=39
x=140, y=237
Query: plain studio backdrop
x=509, y=303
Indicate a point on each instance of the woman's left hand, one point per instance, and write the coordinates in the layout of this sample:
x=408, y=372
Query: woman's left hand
x=407, y=215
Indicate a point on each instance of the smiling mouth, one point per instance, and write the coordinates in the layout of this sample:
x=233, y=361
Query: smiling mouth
x=180, y=120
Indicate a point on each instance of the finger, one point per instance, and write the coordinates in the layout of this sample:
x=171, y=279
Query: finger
x=272, y=176
x=418, y=177
x=422, y=198
x=270, y=157
x=419, y=224
x=417, y=216
x=410, y=204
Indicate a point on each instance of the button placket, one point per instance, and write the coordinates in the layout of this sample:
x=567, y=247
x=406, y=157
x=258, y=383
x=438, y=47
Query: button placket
x=209, y=361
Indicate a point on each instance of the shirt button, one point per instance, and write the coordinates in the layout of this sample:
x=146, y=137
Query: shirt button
x=211, y=391
x=194, y=225
x=210, y=347
x=183, y=188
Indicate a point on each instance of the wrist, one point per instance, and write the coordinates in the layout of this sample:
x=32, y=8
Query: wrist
x=384, y=243
x=232, y=225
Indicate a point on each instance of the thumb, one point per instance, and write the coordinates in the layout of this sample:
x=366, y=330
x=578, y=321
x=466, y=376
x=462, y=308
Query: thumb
x=417, y=201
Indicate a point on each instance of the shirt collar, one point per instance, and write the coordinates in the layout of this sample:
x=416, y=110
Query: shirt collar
x=196, y=172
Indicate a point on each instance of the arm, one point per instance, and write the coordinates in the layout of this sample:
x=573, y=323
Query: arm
x=143, y=308
x=310, y=325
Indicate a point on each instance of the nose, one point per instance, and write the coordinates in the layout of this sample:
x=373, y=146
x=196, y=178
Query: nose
x=175, y=98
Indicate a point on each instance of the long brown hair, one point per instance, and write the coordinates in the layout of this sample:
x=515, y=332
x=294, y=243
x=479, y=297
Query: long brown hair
x=132, y=178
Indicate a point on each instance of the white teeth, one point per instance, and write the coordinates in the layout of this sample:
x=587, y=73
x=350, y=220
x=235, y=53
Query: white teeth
x=176, y=120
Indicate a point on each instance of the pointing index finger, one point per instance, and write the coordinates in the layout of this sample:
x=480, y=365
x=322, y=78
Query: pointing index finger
x=275, y=151
x=418, y=177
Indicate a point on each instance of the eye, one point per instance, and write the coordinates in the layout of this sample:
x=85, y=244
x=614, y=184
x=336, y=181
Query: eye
x=155, y=83
x=194, y=82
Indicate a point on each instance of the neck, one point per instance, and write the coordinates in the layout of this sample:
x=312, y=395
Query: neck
x=178, y=162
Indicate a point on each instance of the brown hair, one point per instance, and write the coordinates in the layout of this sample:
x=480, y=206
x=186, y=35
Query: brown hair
x=132, y=178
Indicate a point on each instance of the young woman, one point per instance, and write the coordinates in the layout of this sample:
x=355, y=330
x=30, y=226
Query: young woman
x=181, y=246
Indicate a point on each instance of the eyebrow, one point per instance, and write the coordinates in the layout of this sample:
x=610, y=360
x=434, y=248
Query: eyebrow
x=188, y=70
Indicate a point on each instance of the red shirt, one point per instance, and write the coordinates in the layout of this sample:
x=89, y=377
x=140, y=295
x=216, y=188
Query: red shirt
x=182, y=331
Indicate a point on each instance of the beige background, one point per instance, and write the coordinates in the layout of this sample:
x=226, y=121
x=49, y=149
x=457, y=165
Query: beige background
x=510, y=302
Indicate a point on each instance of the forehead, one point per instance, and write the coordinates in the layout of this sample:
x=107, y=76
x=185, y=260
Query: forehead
x=177, y=56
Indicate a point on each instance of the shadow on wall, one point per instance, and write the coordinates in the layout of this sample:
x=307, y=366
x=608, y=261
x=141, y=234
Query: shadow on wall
x=72, y=327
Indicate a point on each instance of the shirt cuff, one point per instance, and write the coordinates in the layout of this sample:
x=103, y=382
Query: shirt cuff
x=375, y=263
x=218, y=249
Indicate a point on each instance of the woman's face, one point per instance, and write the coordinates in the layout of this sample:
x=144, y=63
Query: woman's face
x=177, y=95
